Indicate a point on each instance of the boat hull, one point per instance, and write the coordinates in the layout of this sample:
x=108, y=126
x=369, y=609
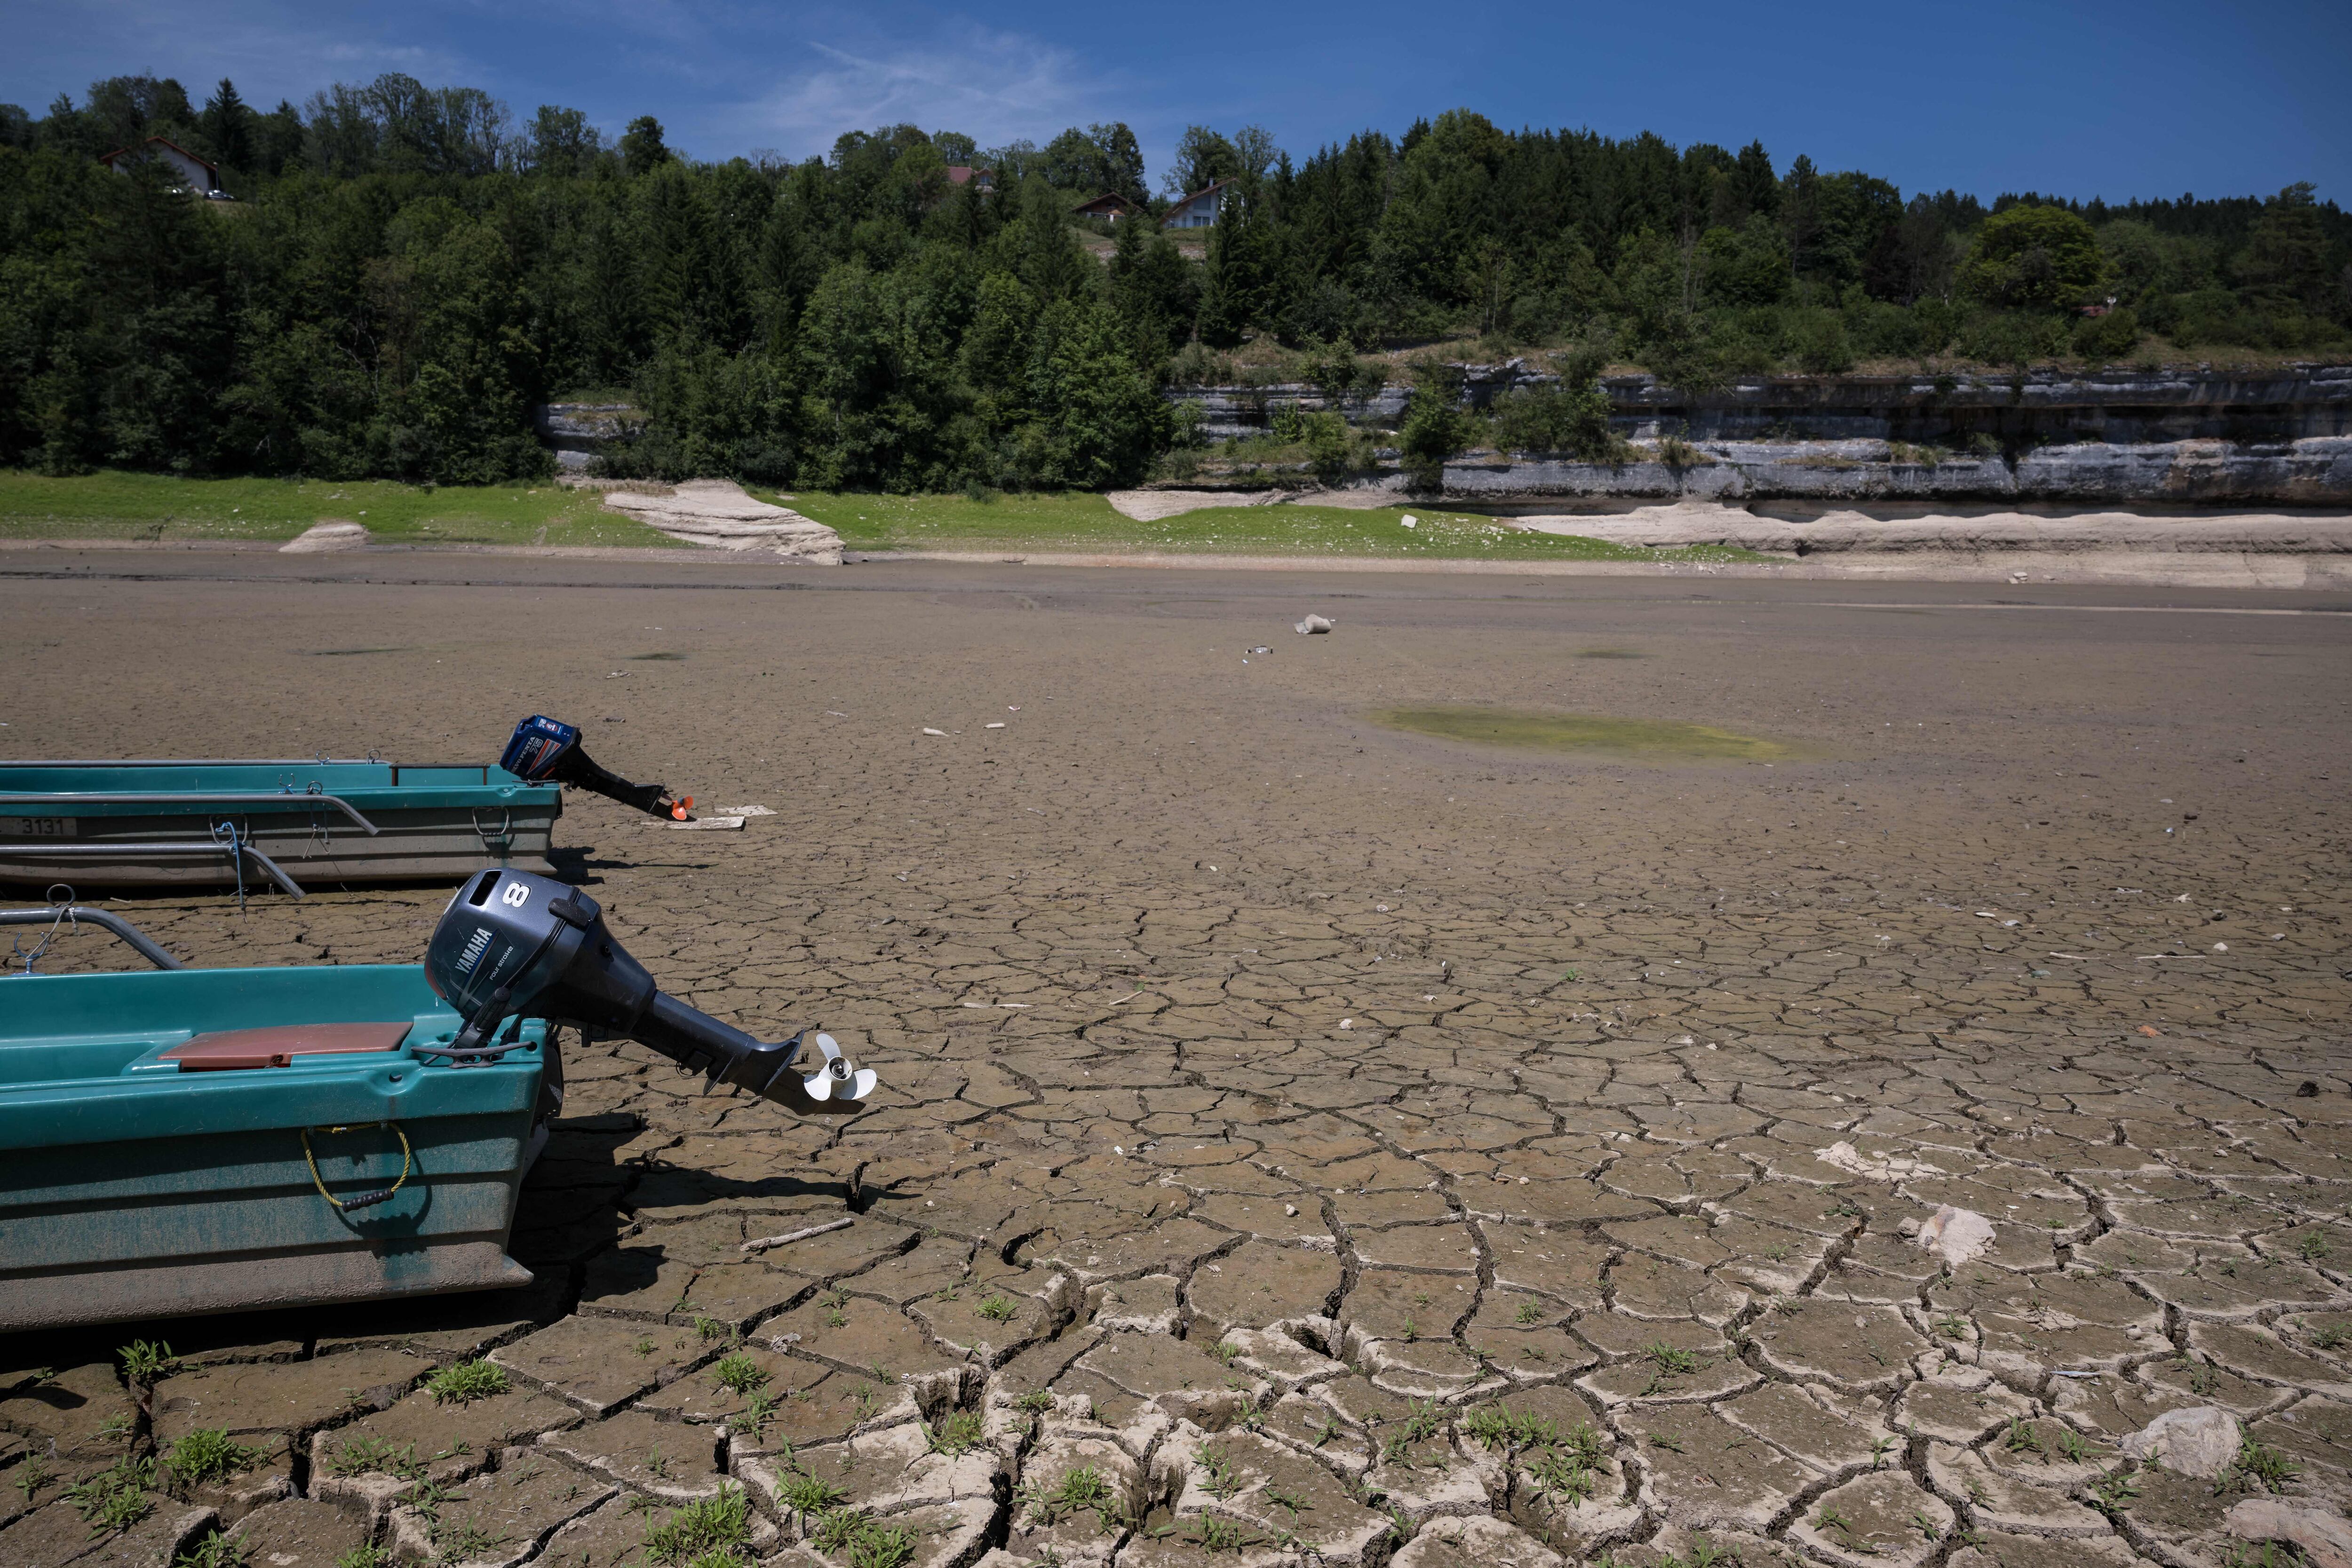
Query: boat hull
x=132, y=1189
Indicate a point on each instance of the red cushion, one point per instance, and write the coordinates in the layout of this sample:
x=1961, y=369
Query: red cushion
x=280, y=1045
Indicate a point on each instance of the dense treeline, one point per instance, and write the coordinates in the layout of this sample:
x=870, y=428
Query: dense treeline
x=407, y=271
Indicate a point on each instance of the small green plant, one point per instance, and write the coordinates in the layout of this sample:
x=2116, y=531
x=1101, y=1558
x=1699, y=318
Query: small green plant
x=643, y=1347
x=866, y=1544
x=2331, y=1336
x=1570, y=975
x=1529, y=1314
x=2257, y=1467
x=1216, y=1534
x=2072, y=1448
x=214, y=1552
x=362, y=1456
x=1669, y=1360
x=2311, y=1247
x=1879, y=1448
x=1562, y=1473
x=365, y=1557
x=657, y=1462
x=1218, y=1474
x=1830, y=1521
x=2023, y=1438
x=736, y=1370
x=2110, y=1495
x=1924, y=1525
x=1036, y=1402
x=1497, y=1428
x=2203, y=1377
x=1225, y=1350
x=207, y=1455
x=1081, y=1490
x=466, y=1382
x=758, y=1409
x=115, y=1497
x=834, y=1318
x=1411, y=1330
x=464, y=1543
x=31, y=1477
x=721, y=1523
x=1951, y=1326
x=708, y=1330
x=809, y=1495
x=143, y=1366
x=998, y=1309
x=1661, y=1440
x=956, y=1432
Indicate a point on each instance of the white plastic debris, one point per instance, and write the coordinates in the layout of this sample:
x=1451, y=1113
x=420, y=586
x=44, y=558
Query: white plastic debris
x=2200, y=1441
x=1409, y=520
x=744, y=811
x=1958, y=1234
x=999, y=725
x=1313, y=623
x=928, y=730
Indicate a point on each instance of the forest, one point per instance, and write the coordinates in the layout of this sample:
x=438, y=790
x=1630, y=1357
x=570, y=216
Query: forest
x=405, y=271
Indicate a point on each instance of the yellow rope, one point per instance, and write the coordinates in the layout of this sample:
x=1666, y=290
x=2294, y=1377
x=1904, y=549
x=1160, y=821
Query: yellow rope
x=365, y=1199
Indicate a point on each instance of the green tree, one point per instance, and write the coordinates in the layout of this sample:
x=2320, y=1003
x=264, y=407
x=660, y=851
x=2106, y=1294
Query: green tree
x=1435, y=427
x=2285, y=258
x=2035, y=257
x=642, y=148
x=228, y=126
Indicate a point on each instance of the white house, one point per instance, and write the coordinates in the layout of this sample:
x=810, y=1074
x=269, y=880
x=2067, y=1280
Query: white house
x=189, y=171
x=1199, y=210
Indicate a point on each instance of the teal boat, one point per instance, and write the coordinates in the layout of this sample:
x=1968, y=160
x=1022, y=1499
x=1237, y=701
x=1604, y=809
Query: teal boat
x=195, y=1141
x=247, y=822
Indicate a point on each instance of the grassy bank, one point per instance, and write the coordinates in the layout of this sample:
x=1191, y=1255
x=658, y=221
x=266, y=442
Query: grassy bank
x=112, y=505
x=1086, y=523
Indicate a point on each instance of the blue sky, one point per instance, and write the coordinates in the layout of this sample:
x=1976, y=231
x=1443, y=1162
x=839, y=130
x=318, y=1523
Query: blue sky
x=2095, y=99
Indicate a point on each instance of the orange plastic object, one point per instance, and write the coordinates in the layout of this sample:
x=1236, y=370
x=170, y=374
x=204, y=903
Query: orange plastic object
x=277, y=1047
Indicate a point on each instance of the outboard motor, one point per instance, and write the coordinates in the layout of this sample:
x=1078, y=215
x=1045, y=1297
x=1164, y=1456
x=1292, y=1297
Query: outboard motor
x=515, y=945
x=543, y=749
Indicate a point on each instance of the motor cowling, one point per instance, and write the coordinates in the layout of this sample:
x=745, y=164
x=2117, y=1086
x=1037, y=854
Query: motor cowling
x=548, y=750
x=515, y=945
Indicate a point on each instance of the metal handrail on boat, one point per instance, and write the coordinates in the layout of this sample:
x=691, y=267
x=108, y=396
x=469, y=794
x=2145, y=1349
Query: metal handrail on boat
x=74, y=913
x=133, y=848
x=193, y=762
x=235, y=798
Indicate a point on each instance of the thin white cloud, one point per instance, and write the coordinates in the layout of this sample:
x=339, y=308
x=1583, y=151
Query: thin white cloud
x=995, y=87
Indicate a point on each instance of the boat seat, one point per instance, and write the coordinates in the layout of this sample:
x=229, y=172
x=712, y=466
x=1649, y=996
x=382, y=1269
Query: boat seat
x=279, y=1046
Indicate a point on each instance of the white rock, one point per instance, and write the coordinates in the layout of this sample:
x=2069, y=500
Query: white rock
x=320, y=537
x=1313, y=623
x=718, y=514
x=2322, y=1533
x=1958, y=1234
x=1877, y=1164
x=2200, y=1442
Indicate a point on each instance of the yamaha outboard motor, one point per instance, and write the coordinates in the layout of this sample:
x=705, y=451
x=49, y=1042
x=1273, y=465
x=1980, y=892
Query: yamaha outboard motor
x=544, y=748
x=515, y=945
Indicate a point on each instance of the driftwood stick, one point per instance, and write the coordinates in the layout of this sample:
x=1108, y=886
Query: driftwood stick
x=765, y=1242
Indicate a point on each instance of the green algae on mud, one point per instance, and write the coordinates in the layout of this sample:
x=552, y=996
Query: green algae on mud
x=1642, y=739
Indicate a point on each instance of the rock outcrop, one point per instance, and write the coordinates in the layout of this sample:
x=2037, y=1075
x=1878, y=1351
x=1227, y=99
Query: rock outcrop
x=717, y=513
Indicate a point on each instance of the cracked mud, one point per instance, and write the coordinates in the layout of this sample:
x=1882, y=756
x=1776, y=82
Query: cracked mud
x=1300, y=1142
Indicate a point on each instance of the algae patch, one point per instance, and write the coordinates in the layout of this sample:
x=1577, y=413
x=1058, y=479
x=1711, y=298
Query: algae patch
x=1652, y=740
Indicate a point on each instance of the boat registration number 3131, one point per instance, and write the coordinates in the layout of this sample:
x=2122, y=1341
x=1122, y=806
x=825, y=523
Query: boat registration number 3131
x=39, y=826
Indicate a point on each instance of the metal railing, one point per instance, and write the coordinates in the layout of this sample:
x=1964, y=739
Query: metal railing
x=76, y=913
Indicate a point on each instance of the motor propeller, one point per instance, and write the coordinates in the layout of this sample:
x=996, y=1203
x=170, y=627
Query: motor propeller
x=543, y=749
x=513, y=945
